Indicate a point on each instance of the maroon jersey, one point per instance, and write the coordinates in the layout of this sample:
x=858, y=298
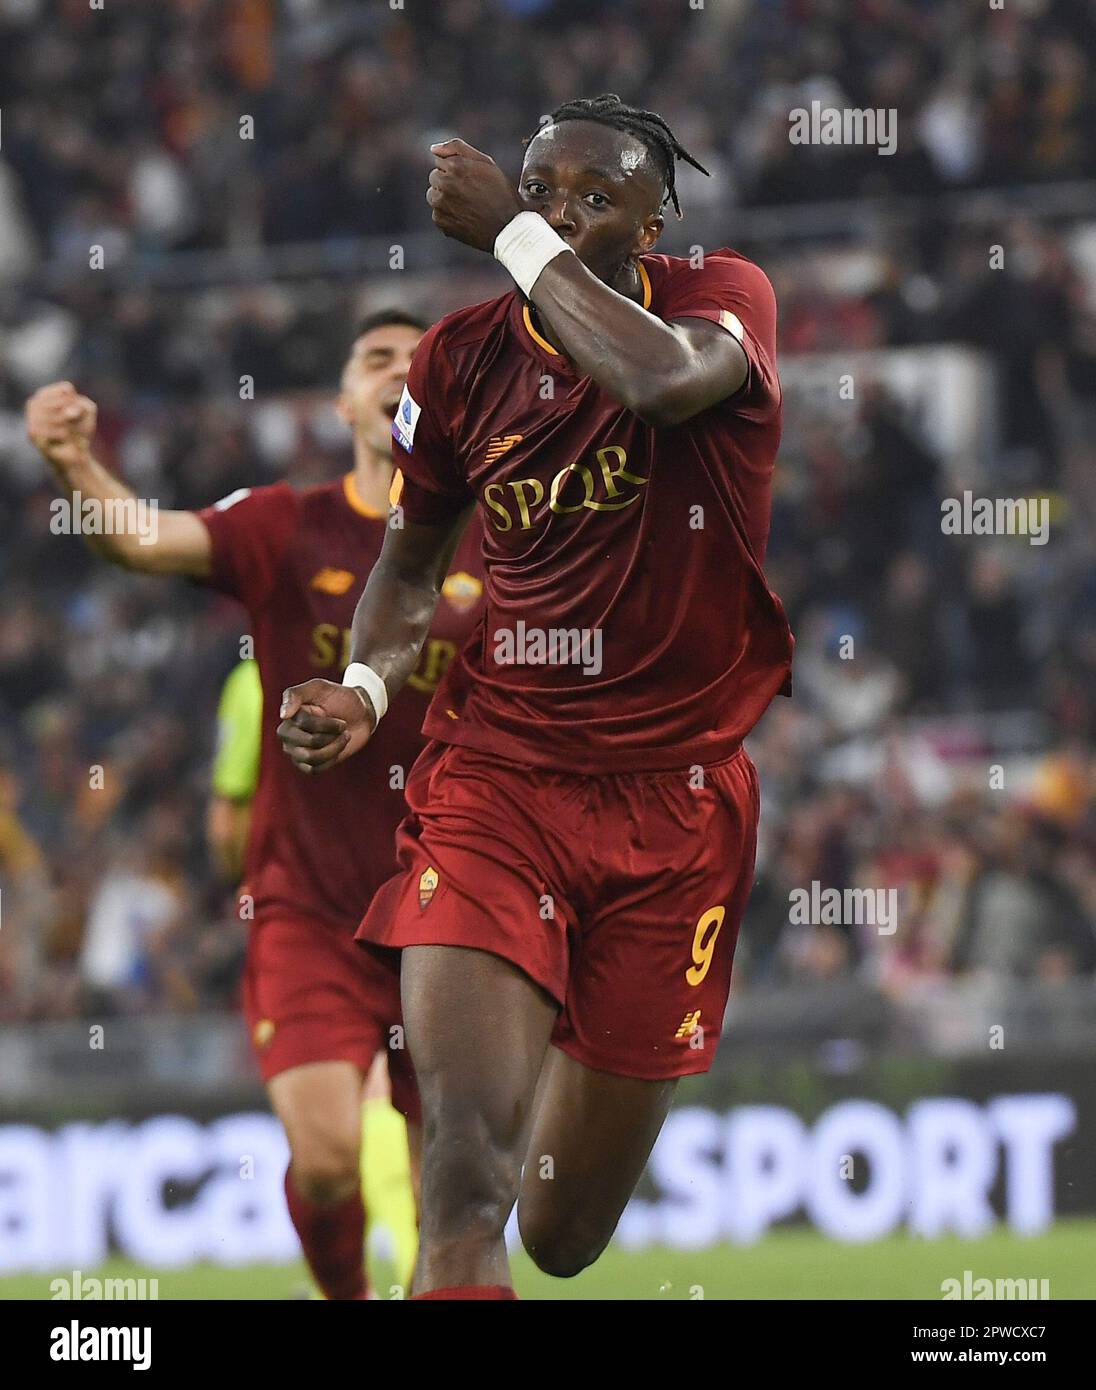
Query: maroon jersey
x=298, y=561
x=628, y=625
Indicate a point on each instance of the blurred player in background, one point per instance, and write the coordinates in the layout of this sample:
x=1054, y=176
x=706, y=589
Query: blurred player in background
x=387, y=1187
x=581, y=840
x=235, y=775
x=318, y=1009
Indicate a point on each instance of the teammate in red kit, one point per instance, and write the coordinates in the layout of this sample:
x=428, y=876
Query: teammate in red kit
x=318, y=1008
x=581, y=834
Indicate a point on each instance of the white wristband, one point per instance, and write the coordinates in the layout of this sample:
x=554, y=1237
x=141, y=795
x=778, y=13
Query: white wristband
x=359, y=675
x=525, y=246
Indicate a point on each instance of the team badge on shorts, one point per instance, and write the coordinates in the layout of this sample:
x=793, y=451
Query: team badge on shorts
x=263, y=1032
x=428, y=886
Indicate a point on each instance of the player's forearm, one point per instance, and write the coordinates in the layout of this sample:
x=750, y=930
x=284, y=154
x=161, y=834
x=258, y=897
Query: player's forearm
x=391, y=624
x=85, y=480
x=227, y=826
x=394, y=613
x=131, y=531
x=644, y=363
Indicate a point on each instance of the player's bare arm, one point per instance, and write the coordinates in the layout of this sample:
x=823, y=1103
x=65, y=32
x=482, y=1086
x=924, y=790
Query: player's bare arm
x=61, y=424
x=227, y=826
x=603, y=201
x=324, y=723
x=664, y=372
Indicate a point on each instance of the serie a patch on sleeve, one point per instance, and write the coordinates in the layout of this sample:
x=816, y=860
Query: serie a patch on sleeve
x=407, y=418
x=732, y=323
x=231, y=500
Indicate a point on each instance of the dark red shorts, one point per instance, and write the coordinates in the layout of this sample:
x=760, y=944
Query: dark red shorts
x=311, y=995
x=620, y=895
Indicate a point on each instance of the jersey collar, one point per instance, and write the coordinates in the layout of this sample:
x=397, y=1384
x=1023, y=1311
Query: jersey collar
x=546, y=346
x=354, y=501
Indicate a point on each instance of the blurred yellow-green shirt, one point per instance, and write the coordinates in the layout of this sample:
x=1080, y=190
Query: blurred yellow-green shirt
x=239, y=734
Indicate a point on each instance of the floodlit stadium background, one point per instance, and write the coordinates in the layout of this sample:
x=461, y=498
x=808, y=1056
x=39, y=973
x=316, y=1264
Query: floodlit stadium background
x=937, y=337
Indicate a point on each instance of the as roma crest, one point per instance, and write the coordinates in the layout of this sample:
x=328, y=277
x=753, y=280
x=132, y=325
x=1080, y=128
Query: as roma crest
x=462, y=590
x=428, y=886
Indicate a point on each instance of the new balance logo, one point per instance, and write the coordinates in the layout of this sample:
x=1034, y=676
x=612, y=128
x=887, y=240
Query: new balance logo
x=498, y=446
x=332, y=581
x=689, y=1024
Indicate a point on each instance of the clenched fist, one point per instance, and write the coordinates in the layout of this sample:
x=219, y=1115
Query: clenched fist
x=61, y=423
x=472, y=198
x=323, y=724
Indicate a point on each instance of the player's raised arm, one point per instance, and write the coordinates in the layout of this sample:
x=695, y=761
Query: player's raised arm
x=605, y=203
x=324, y=723
x=61, y=423
x=664, y=372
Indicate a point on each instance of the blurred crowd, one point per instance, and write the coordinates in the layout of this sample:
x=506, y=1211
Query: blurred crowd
x=122, y=122
x=925, y=662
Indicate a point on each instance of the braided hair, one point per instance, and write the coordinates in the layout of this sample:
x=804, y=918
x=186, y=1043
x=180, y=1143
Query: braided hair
x=648, y=127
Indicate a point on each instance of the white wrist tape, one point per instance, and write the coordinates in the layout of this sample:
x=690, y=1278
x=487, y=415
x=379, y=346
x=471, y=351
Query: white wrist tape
x=525, y=246
x=358, y=674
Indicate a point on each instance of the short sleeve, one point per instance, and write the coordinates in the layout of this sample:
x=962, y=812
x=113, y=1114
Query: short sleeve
x=434, y=488
x=239, y=734
x=250, y=531
x=735, y=293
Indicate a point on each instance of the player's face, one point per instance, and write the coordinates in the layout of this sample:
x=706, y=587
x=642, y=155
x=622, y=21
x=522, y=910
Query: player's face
x=373, y=379
x=597, y=188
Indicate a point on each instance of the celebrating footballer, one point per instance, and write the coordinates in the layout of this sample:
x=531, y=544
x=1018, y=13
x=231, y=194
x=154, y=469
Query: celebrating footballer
x=580, y=837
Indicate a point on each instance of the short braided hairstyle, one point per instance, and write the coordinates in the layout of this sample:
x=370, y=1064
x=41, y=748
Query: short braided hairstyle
x=648, y=127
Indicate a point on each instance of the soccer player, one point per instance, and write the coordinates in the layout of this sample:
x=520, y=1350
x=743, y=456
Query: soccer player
x=581, y=834
x=235, y=777
x=318, y=1008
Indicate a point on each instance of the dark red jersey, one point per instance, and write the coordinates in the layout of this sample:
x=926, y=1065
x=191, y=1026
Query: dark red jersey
x=298, y=561
x=628, y=624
